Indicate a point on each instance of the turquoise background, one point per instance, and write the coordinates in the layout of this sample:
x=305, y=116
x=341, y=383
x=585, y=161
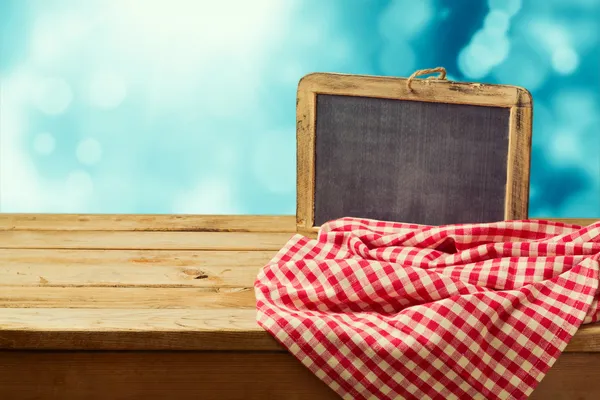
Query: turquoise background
x=183, y=106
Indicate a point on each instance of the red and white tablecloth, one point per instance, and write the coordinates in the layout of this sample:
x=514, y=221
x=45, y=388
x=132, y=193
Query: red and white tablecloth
x=382, y=310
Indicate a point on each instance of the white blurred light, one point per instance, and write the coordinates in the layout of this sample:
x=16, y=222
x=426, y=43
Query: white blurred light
x=45, y=43
x=511, y=7
x=398, y=59
x=549, y=35
x=494, y=48
x=497, y=22
x=44, y=143
x=584, y=33
x=53, y=96
x=89, y=151
x=107, y=90
x=523, y=67
x=274, y=161
x=565, y=60
x=404, y=19
x=54, y=34
x=16, y=170
x=79, y=184
x=486, y=50
x=181, y=47
x=474, y=61
x=211, y=196
x=229, y=96
x=19, y=87
x=564, y=147
x=191, y=28
x=22, y=189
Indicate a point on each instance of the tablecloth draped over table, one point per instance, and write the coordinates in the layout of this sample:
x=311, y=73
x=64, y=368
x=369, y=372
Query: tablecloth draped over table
x=383, y=310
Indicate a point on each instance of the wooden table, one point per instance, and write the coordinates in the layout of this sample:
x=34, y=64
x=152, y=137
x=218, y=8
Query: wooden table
x=152, y=307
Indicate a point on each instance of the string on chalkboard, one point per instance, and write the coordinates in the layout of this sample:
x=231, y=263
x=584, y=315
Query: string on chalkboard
x=440, y=70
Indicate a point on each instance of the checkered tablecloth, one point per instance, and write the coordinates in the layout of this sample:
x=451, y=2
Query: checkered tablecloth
x=381, y=310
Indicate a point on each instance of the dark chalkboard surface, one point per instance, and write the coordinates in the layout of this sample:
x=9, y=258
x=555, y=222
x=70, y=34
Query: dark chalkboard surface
x=398, y=160
x=442, y=153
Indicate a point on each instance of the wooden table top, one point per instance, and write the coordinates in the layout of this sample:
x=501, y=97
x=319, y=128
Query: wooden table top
x=143, y=282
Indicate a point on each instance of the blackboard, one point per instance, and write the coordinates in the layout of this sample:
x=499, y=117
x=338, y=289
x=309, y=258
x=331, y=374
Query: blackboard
x=441, y=154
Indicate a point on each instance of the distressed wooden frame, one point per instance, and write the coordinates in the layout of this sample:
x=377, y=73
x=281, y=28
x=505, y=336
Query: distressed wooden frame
x=517, y=99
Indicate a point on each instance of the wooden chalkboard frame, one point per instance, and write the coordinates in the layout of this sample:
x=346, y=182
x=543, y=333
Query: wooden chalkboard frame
x=517, y=99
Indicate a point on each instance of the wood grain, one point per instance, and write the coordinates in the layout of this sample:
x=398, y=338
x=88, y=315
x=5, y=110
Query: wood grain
x=305, y=158
x=227, y=329
x=573, y=376
x=88, y=313
x=586, y=340
x=423, y=90
x=162, y=329
x=131, y=320
x=226, y=340
x=89, y=323
x=128, y=298
x=125, y=240
x=127, y=268
x=216, y=375
x=518, y=164
x=157, y=375
x=148, y=222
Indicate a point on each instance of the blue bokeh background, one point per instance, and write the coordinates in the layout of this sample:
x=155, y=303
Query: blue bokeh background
x=188, y=106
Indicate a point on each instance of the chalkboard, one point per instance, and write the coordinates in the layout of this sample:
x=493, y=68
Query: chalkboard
x=441, y=153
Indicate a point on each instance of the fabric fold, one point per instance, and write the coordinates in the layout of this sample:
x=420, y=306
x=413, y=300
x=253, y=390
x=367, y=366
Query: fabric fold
x=384, y=310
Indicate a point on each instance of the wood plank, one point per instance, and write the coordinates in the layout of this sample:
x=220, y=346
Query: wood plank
x=216, y=375
x=587, y=339
x=141, y=268
x=128, y=298
x=194, y=223
x=126, y=240
x=227, y=329
x=149, y=222
x=139, y=341
x=157, y=375
x=573, y=376
x=574, y=221
x=129, y=320
x=162, y=329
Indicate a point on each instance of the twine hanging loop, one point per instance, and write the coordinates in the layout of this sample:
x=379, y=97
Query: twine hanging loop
x=439, y=70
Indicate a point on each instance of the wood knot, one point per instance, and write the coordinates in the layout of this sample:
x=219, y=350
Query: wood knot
x=195, y=273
